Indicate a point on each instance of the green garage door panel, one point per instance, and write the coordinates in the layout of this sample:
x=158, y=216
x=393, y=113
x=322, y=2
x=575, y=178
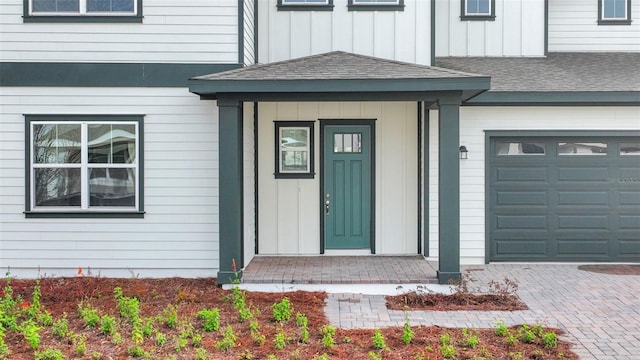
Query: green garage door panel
x=548, y=206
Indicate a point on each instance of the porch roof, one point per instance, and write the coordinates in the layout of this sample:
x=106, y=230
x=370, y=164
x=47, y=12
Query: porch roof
x=338, y=75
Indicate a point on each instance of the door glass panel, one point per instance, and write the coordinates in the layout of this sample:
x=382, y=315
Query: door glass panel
x=519, y=148
x=630, y=148
x=347, y=143
x=582, y=148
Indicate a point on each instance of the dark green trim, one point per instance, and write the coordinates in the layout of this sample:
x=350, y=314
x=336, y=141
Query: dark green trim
x=376, y=7
x=104, y=74
x=241, y=32
x=286, y=87
x=602, y=21
x=136, y=18
x=230, y=188
x=546, y=27
x=256, y=164
x=561, y=98
x=419, y=164
x=304, y=7
x=433, y=33
x=29, y=213
x=84, y=215
x=311, y=156
x=466, y=17
x=449, y=189
x=255, y=32
x=372, y=125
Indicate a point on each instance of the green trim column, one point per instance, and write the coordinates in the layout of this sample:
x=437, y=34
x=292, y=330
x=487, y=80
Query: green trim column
x=230, y=189
x=449, y=188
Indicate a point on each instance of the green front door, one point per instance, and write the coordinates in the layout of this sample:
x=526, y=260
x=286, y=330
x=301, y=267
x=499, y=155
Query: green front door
x=346, y=197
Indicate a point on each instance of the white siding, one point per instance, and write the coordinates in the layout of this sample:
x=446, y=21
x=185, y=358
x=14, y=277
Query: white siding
x=573, y=26
x=249, y=185
x=518, y=30
x=289, y=208
x=474, y=121
x=195, y=31
x=179, y=233
x=399, y=35
x=249, y=32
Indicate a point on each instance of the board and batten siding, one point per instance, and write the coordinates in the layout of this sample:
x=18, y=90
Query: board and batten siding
x=289, y=222
x=518, y=30
x=474, y=121
x=178, y=235
x=397, y=35
x=195, y=31
x=573, y=26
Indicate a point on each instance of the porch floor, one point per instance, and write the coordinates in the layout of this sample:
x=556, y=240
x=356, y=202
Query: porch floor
x=375, y=269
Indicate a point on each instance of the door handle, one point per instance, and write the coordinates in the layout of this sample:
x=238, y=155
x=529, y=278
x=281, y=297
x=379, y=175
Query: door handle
x=326, y=204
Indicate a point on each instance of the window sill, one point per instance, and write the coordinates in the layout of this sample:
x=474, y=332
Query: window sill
x=478, y=18
x=305, y=7
x=84, y=214
x=375, y=7
x=614, y=22
x=81, y=19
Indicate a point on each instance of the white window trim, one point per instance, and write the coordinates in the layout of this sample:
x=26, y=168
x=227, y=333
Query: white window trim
x=306, y=149
x=82, y=11
x=467, y=13
x=624, y=17
x=84, y=167
x=299, y=3
x=385, y=2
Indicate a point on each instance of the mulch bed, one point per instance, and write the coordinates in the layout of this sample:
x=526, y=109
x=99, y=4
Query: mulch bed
x=612, y=269
x=456, y=301
x=62, y=295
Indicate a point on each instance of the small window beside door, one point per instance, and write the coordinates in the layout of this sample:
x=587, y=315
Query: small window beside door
x=614, y=12
x=478, y=10
x=294, y=150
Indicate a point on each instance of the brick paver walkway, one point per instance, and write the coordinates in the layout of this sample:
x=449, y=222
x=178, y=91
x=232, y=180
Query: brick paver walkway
x=599, y=313
x=339, y=270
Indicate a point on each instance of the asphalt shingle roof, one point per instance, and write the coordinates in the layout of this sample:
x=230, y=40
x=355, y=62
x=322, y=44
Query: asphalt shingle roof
x=337, y=65
x=572, y=72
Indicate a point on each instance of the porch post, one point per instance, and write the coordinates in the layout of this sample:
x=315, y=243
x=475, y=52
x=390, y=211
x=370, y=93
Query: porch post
x=449, y=188
x=230, y=189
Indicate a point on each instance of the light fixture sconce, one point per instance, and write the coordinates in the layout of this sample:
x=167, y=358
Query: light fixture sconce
x=463, y=152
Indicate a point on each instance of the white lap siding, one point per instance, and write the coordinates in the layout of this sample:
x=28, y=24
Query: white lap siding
x=194, y=31
x=474, y=121
x=178, y=235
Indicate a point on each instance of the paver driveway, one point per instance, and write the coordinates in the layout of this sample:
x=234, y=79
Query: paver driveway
x=599, y=313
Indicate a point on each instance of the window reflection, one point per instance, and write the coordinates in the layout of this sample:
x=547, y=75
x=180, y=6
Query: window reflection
x=582, y=148
x=347, y=143
x=630, y=148
x=519, y=148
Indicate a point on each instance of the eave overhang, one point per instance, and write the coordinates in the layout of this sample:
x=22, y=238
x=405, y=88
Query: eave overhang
x=338, y=76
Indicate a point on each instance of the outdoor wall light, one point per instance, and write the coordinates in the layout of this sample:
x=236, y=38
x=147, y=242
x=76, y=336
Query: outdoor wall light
x=463, y=152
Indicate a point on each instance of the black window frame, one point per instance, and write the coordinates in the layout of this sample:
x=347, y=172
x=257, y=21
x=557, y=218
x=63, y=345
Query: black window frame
x=96, y=212
x=27, y=17
x=482, y=17
x=310, y=174
x=351, y=6
x=305, y=7
x=603, y=21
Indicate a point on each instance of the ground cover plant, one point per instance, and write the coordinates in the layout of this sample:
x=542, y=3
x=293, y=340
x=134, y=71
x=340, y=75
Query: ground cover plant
x=102, y=318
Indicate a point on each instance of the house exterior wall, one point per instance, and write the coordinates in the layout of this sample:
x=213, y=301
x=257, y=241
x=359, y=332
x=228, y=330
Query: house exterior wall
x=573, y=26
x=249, y=31
x=397, y=35
x=171, y=32
x=178, y=235
x=518, y=30
x=289, y=222
x=474, y=121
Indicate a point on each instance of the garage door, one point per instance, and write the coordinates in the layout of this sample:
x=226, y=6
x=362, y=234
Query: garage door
x=564, y=198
